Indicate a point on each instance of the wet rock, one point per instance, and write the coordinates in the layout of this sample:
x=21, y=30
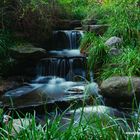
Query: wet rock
x=22, y=96
x=100, y=111
x=89, y=115
x=55, y=91
x=97, y=29
x=78, y=28
x=121, y=88
x=96, y=115
x=26, y=52
x=113, y=41
x=66, y=24
x=11, y=83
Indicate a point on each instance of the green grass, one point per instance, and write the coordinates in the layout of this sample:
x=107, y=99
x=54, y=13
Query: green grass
x=93, y=127
x=123, y=20
x=125, y=64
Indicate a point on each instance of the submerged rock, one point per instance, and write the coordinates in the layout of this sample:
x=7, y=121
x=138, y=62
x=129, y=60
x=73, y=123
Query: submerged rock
x=121, y=88
x=22, y=96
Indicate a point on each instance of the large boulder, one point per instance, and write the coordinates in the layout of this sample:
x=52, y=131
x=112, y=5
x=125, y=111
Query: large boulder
x=27, y=52
x=121, y=88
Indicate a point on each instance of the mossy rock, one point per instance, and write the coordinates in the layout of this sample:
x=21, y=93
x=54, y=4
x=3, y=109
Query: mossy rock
x=27, y=51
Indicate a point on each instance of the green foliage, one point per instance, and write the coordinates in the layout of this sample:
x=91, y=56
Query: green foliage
x=93, y=128
x=125, y=64
x=78, y=9
x=123, y=20
x=122, y=16
x=97, y=53
x=86, y=42
x=96, y=50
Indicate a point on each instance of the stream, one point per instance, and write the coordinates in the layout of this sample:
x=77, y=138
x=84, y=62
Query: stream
x=60, y=80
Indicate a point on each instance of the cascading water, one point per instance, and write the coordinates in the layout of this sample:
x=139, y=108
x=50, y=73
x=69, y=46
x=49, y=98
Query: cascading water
x=65, y=61
x=60, y=77
x=67, y=39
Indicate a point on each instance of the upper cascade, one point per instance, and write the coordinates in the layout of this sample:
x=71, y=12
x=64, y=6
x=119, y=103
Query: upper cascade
x=64, y=59
x=67, y=39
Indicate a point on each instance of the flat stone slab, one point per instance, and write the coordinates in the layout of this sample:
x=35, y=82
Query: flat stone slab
x=27, y=51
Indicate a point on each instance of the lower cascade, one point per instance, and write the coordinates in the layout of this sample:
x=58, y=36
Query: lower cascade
x=60, y=77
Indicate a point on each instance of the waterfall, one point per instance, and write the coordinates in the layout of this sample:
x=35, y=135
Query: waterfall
x=60, y=76
x=74, y=38
x=65, y=60
x=67, y=39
